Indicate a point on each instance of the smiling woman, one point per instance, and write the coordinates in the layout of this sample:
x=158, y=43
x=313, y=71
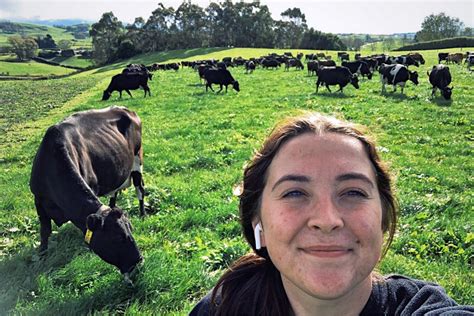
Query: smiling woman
x=315, y=204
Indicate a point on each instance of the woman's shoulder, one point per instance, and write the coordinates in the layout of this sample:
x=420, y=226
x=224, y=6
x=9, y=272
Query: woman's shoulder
x=203, y=307
x=398, y=294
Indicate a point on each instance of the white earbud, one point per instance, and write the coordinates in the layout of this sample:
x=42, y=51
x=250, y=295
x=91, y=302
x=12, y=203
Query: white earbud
x=257, y=231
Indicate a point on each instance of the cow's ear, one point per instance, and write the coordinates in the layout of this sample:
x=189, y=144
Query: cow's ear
x=94, y=222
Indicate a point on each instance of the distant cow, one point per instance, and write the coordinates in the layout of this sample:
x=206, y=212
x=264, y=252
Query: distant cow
x=127, y=82
x=249, y=66
x=222, y=77
x=341, y=76
x=90, y=154
x=469, y=61
x=138, y=69
x=418, y=57
x=358, y=67
x=442, y=56
x=326, y=63
x=270, y=63
x=440, y=78
x=312, y=67
x=396, y=75
x=294, y=63
x=455, y=58
x=405, y=60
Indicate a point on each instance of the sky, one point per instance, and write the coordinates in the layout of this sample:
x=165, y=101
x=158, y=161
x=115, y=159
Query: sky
x=334, y=16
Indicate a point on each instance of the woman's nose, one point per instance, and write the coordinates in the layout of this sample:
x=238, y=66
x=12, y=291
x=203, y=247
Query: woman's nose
x=325, y=216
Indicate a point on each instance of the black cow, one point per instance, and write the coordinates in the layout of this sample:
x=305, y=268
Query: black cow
x=336, y=76
x=127, y=82
x=270, y=63
x=312, y=67
x=440, y=78
x=358, y=67
x=406, y=60
x=469, y=61
x=138, y=68
x=90, y=154
x=396, y=75
x=326, y=63
x=222, y=77
x=442, y=56
x=293, y=62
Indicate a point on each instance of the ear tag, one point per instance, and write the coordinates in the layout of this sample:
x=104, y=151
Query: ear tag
x=88, y=236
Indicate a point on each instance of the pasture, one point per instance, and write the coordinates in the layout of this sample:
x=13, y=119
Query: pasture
x=195, y=144
x=9, y=66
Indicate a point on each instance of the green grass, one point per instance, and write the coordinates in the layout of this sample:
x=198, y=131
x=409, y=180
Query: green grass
x=35, y=30
x=195, y=145
x=9, y=66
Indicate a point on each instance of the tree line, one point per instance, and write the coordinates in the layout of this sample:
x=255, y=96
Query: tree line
x=223, y=24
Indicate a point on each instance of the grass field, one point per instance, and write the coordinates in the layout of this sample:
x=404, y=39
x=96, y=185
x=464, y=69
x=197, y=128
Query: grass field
x=195, y=145
x=10, y=67
x=57, y=34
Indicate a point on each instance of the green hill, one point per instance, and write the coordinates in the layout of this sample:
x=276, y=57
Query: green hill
x=195, y=144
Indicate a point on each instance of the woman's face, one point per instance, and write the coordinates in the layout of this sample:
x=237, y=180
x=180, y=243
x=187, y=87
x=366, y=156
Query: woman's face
x=321, y=215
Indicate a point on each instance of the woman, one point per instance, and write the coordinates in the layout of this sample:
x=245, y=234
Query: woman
x=315, y=205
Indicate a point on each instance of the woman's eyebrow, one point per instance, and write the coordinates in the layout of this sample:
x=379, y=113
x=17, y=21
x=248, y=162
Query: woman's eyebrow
x=355, y=176
x=291, y=177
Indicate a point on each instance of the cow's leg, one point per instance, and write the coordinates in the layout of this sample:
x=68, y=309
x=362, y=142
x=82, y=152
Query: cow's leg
x=433, y=91
x=317, y=85
x=128, y=91
x=220, y=85
x=45, y=226
x=340, y=89
x=120, y=94
x=139, y=190
x=113, y=200
x=327, y=87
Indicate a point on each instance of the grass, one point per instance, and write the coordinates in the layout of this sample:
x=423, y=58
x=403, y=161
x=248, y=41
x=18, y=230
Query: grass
x=9, y=66
x=195, y=145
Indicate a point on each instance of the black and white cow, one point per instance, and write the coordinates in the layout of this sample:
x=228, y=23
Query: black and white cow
x=396, y=75
x=90, y=154
x=440, y=78
x=293, y=62
x=358, y=67
x=337, y=75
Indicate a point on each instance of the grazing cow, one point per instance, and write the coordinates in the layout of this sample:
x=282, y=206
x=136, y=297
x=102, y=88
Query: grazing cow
x=455, y=58
x=137, y=69
x=405, y=60
x=469, y=61
x=440, y=78
x=326, y=63
x=396, y=75
x=418, y=57
x=222, y=77
x=442, y=56
x=270, y=63
x=294, y=63
x=90, y=154
x=371, y=62
x=358, y=67
x=249, y=66
x=336, y=76
x=312, y=67
x=127, y=82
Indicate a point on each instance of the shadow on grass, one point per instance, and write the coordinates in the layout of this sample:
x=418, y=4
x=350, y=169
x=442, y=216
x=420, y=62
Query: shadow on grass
x=398, y=96
x=163, y=56
x=440, y=101
x=20, y=272
x=335, y=95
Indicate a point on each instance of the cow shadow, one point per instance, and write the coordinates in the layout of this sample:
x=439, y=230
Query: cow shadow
x=334, y=94
x=398, y=96
x=440, y=101
x=20, y=272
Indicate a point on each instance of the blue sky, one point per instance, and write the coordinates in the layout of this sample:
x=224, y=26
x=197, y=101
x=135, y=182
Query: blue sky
x=335, y=16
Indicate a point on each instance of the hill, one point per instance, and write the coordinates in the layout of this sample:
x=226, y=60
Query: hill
x=195, y=144
x=34, y=30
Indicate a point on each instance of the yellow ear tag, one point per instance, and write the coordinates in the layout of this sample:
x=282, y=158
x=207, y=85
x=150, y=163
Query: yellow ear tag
x=88, y=236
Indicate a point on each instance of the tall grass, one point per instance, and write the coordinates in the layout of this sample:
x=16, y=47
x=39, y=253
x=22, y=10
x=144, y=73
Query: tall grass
x=195, y=145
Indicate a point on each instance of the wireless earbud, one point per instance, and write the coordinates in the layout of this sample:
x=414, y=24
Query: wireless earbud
x=257, y=231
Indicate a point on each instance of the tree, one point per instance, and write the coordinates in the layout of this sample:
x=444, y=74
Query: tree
x=45, y=42
x=24, y=47
x=439, y=26
x=64, y=44
x=295, y=26
x=313, y=39
x=191, y=23
x=106, y=36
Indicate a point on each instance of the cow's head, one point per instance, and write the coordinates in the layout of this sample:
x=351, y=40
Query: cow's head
x=446, y=92
x=413, y=76
x=369, y=75
x=235, y=85
x=106, y=95
x=109, y=235
x=355, y=81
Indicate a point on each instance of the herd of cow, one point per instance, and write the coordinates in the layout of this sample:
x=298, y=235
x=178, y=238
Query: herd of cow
x=393, y=70
x=99, y=152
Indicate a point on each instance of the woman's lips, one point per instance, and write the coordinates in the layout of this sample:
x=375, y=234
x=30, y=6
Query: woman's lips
x=327, y=251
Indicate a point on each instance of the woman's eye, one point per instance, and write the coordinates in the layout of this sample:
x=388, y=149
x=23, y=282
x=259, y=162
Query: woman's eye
x=294, y=193
x=355, y=193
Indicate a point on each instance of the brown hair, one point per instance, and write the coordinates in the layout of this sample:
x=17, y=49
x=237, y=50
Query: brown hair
x=252, y=285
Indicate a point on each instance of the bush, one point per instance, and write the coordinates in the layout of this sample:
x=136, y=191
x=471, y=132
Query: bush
x=439, y=44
